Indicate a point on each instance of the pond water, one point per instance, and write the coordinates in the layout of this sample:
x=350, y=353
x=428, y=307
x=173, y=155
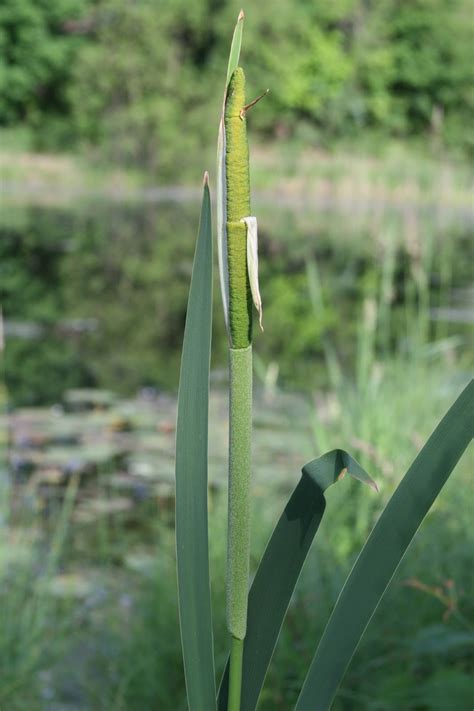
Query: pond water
x=95, y=295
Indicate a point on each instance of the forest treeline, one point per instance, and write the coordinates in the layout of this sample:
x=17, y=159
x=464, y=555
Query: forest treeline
x=142, y=80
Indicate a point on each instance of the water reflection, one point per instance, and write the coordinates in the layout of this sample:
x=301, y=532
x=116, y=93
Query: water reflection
x=95, y=295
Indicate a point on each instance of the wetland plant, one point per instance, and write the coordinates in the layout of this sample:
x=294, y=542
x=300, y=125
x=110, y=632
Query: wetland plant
x=255, y=617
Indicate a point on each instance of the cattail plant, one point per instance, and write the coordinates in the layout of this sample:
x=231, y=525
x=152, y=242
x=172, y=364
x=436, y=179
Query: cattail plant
x=255, y=617
x=238, y=265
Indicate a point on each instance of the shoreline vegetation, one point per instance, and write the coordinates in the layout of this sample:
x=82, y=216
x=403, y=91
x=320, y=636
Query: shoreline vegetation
x=399, y=177
x=363, y=188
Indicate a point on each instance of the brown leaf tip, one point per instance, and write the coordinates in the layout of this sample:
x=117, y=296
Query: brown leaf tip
x=342, y=474
x=241, y=16
x=205, y=180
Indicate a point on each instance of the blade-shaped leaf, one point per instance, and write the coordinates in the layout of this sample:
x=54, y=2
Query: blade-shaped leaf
x=280, y=568
x=384, y=550
x=235, y=46
x=221, y=173
x=191, y=477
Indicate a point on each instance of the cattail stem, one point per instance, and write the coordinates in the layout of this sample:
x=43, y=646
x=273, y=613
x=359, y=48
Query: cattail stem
x=240, y=416
x=235, y=674
x=238, y=541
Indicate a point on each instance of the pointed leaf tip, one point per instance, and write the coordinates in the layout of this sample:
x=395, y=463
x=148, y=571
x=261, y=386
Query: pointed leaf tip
x=280, y=568
x=342, y=474
x=205, y=180
x=373, y=485
x=234, y=50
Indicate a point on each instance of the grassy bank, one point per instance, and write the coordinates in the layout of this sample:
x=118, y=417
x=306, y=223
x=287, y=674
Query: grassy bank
x=87, y=567
x=90, y=617
x=394, y=174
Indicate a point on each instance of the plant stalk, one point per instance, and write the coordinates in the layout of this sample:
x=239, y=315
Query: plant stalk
x=238, y=541
x=240, y=362
x=235, y=675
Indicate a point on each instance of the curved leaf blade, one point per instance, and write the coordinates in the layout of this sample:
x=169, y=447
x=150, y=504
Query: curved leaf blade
x=191, y=477
x=384, y=550
x=280, y=568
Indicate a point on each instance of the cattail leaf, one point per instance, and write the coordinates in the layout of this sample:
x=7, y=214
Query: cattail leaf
x=383, y=551
x=221, y=174
x=191, y=477
x=280, y=568
x=252, y=264
x=235, y=46
x=221, y=222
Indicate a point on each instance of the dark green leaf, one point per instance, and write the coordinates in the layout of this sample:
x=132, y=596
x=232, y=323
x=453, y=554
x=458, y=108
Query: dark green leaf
x=191, y=478
x=440, y=640
x=384, y=550
x=280, y=568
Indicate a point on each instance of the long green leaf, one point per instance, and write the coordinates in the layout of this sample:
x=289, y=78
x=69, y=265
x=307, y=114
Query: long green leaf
x=191, y=477
x=384, y=550
x=280, y=568
x=235, y=46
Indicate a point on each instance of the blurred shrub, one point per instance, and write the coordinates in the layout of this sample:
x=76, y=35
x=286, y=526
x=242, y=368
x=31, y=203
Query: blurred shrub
x=141, y=89
x=38, y=41
x=143, y=80
x=434, y=69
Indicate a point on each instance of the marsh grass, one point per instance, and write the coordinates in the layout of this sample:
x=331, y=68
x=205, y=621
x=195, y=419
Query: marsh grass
x=114, y=630
x=34, y=625
x=105, y=645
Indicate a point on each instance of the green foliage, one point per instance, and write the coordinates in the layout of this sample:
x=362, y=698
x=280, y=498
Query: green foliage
x=141, y=79
x=404, y=69
x=433, y=55
x=124, y=269
x=192, y=478
x=38, y=43
x=147, y=103
x=56, y=267
x=280, y=568
x=317, y=77
x=384, y=550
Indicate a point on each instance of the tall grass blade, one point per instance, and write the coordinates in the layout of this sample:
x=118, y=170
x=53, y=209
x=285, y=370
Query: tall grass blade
x=191, y=477
x=280, y=568
x=384, y=550
x=235, y=46
x=221, y=173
